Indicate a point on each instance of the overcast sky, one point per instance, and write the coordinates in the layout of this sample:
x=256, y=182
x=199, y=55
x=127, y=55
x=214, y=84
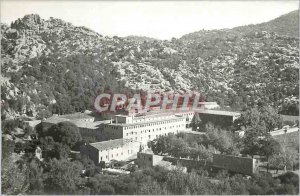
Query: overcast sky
x=164, y=19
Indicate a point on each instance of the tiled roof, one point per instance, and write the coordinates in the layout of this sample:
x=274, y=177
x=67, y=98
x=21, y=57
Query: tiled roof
x=111, y=144
x=145, y=122
x=78, y=123
x=90, y=125
x=70, y=117
x=218, y=112
x=77, y=116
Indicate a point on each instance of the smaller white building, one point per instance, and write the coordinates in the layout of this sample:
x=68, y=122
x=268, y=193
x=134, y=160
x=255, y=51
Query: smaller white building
x=118, y=149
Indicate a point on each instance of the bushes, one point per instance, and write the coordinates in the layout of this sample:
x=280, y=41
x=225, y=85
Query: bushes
x=178, y=147
x=66, y=133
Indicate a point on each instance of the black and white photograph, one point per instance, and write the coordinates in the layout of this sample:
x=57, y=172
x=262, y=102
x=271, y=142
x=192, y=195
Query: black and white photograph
x=148, y=97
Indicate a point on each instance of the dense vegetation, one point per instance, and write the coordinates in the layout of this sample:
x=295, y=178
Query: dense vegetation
x=60, y=171
x=51, y=66
x=256, y=123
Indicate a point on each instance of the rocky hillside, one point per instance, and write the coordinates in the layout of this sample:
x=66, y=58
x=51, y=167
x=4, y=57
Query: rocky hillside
x=51, y=66
x=286, y=25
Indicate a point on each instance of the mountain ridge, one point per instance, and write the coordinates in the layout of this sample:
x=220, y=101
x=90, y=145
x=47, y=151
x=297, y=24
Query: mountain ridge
x=292, y=18
x=55, y=67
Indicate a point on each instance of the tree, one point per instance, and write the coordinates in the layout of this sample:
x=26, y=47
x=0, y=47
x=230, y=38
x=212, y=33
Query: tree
x=290, y=182
x=220, y=139
x=8, y=126
x=151, y=187
x=252, y=141
x=8, y=147
x=271, y=118
x=257, y=123
x=286, y=158
x=163, y=144
x=13, y=177
x=42, y=114
x=179, y=149
x=207, y=153
x=265, y=116
x=99, y=185
x=52, y=149
x=66, y=133
x=35, y=177
x=179, y=183
x=269, y=147
x=196, y=122
x=289, y=178
x=89, y=166
x=263, y=184
x=277, y=161
x=63, y=176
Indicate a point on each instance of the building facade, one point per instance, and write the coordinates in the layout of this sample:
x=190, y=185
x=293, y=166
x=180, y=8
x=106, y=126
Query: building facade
x=89, y=128
x=143, y=128
x=243, y=165
x=148, y=159
x=119, y=149
x=223, y=119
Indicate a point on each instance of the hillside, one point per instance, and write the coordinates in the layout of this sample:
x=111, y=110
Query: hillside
x=287, y=24
x=51, y=66
x=140, y=38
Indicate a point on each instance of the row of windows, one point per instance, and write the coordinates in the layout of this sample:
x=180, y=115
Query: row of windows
x=110, y=149
x=186, y=114
x=116, y=155
x=150, y=118
x=150, y=137
x=157, y=129
x=153, y=124
x=144, y=157
x=113, y=127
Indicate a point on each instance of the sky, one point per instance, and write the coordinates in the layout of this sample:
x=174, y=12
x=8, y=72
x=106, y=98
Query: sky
x=157, y=19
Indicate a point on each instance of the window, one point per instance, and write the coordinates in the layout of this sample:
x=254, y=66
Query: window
x=150, y=159
x=101, y=158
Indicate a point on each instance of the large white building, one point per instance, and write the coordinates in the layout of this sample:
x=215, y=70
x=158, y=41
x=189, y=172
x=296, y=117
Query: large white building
x=143, y=128
x=124, y=135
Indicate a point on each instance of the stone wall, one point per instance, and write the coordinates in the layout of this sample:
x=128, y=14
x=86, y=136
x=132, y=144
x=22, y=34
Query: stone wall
x=244, y=165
